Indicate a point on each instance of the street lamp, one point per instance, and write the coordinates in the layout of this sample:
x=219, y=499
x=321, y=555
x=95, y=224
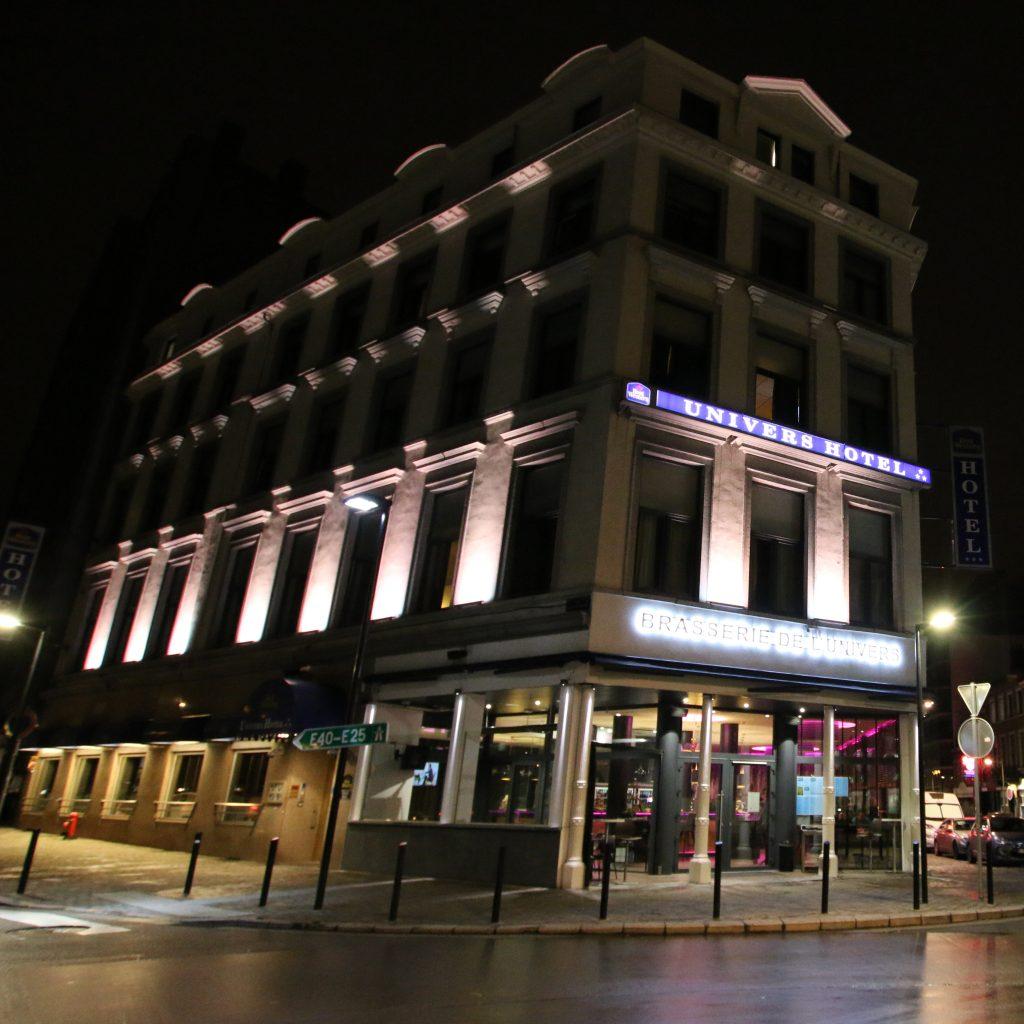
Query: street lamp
x=361, y=504
x=10, y=623
x=939, y=621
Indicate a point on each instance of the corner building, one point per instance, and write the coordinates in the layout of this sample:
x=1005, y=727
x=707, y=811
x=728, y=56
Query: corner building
x=633, y=371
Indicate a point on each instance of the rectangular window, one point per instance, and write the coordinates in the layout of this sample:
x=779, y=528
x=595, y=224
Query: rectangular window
x=412, y=290
x=698, y=113
x=129, y=777
x=484, y=264
x=156, y=495
x=145, y=421
x=117, y=510
x=229, y=371
x=439, y=554
x=668, y=538
x=266, y=448
x=777, y=570
x=871, y=602
x=394, y=393
x=586, y=114
x=172, y=586
x=85, y=780
x=200, y=476
x=780, y=383
x=324, y=432
x=864, y=195
x=572, y=212
x=45, y=777
x=784, y=250
x=865, y=289
x=184, y=399
x=533, y=529
x=347, y=322
x=288, y=351
x=557, y=336
x=681, y=349
x=692, y=215
x=185, y=778
x=769, y=148
x=93, y=603
x=801, y=164
x=363, y=544
x=127, y=606
x=238, y=567
x=868, y=420
x=502, y=161
x=292, y=574
x=248, y=777
x=467, y=375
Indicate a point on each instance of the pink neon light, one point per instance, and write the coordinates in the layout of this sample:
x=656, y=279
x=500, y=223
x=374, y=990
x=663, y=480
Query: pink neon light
x=866, y=735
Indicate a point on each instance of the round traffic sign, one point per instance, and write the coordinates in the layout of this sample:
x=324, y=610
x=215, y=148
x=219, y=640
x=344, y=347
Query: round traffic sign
x=976, y=738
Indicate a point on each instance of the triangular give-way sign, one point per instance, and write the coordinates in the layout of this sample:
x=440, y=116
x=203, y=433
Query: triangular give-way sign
x=974, y=695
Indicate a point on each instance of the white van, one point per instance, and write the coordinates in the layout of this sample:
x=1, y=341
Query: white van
x=938, y=807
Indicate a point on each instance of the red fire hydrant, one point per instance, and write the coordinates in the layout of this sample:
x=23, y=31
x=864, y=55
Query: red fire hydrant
x=69, y=826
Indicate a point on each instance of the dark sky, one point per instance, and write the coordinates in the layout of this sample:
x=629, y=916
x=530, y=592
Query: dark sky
x=98, y=97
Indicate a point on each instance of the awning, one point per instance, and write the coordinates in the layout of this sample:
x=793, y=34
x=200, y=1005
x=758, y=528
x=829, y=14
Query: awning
x=286, y=705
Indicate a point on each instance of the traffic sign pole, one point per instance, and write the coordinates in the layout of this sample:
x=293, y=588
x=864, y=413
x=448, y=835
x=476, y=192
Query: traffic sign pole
x=973, y=695
x=978, y=762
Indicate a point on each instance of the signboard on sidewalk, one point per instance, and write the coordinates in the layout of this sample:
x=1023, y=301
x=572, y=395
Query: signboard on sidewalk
x=334, y=737
x=18, y=555
x=972, y=546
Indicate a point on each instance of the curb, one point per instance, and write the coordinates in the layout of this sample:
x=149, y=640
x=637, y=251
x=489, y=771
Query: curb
x=754, y=926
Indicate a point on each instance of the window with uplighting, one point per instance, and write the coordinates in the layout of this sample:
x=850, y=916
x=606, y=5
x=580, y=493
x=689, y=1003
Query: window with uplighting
x=292, y=576
x=234, y=579
x=93, y=602
x=533, y=529
x=870, y=568
x=172, y=587
x=127, y=606
x=361, y=543
x=438, y=557
x=777, y=552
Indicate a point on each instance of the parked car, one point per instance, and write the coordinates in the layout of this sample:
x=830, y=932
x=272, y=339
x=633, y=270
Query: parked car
x=937, y=807
x=951, y=837
x=1007, y=835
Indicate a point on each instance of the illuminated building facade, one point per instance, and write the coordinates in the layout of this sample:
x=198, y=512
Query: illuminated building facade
x=634, y=370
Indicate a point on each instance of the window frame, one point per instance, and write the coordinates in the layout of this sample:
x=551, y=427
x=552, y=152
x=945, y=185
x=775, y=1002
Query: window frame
x=657, y=294
x=273, y=628
x=847, y=247
x=591, y=176
x=758, y=478
x=864, y=366
x=502, y=221
x=460, y=482
x=763, y=210
x=710, y=103
x=540, y=315
x=893, y=513
x=427, y=258
x=484, y=339
x=234, y=546
x=671, y=169
x=174, y=563
x=807, y=351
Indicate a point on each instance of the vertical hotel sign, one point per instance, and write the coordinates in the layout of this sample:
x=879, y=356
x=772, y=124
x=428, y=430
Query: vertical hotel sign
x=18, y=555
x=973, y=546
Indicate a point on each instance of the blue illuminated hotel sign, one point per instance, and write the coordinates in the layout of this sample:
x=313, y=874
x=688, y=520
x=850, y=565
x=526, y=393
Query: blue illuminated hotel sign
x=754, y=426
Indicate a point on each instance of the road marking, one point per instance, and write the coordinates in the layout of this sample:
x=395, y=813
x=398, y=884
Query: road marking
x=46, y=919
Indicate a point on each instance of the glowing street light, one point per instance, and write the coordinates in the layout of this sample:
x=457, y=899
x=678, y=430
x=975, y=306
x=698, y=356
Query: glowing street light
x=8, y=621
x=942, y=620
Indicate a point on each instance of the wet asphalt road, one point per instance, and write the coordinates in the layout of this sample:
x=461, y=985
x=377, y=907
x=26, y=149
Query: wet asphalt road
x=163, y=973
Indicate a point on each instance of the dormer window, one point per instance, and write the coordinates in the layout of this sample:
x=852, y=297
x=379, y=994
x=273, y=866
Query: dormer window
x=801, y=163
x=431, y=200
x=769, y=148
x=864, y=195
x=698, y=113
x=587, y=113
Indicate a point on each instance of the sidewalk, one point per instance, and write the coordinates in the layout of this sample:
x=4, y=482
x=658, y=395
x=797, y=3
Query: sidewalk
x=131, y=883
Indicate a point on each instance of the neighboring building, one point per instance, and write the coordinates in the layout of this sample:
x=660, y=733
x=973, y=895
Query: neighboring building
x=604, y=606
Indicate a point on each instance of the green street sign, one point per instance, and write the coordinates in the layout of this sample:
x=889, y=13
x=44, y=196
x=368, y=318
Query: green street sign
x=334, y=737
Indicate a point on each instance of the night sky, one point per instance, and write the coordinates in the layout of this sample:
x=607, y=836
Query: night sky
x=98, y=98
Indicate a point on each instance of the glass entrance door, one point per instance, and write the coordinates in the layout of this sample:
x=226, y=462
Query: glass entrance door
x=622, y=801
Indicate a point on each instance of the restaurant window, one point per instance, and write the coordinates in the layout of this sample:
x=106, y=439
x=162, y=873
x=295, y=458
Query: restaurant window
x=557, y=335
x=412, y=290
x=513, y=779
x=769, y=148
x=780, y=382
x=185, y=774
x=439, y=553
x=248, y=777
x=292, y=575
x=238, y=567
x=288, y=352
x=777, y=568
x=393, y=395
x=871, y=600
x=868, y=763
x=801, y=164
x=466, y=378
x=698, y=113
x=229, y=370
x=127, y=606
x=200, y=475
x=572, y=210
x=586, y=113
x=868, y=421
x=347, y=322
x=692, y=215
x=784, y=250
x=484, y=262
x=363, y=543
x=129, y=777
x=324, y=432
x=93, y=604
x=533, y=529
x=502, y=161
x=864, y=195
x=865, y=281
x=145, y=421
x=681, y=349
x=668, y=537
x=184, y=399
x=172, y=586
x=45, y=777
x=266, y=448
x=85, y=779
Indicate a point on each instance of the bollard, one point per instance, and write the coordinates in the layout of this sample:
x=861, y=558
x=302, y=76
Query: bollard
x=26, y=866
x=826, y=858
x=499, y=881
x=917, y=875
x=396, y=889
x=716, y=905
x=606, y=875
x=269, y=871
x=191, y=873
x=989, y=881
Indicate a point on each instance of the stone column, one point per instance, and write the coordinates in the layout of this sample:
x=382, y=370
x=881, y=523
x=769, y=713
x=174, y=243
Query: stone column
x=828, y=771
x=727, y=541
x=561, y=767
x=108, y=609
x=253, y=621
x=670, y=784
x=463, y=755
x=700, y=866
x=197, y=586
x=910, y=793
x=138, y=639
x=784, y=740
x=575, y=866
